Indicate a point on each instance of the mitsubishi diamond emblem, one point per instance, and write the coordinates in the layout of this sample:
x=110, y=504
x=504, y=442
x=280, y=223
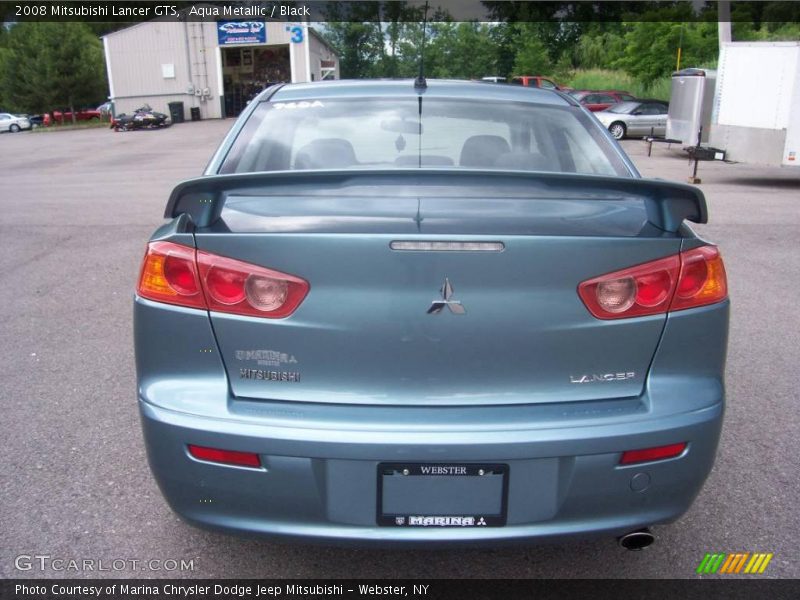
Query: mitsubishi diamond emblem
x=447, y=293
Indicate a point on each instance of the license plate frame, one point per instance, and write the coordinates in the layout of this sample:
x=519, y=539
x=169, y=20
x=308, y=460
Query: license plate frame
x=438, y=519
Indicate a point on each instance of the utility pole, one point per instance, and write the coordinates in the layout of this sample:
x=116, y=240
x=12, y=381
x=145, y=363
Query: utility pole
x=723, y=22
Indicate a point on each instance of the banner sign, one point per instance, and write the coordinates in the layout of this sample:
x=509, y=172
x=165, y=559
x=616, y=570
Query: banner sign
x=407, y=589
x=241, y=32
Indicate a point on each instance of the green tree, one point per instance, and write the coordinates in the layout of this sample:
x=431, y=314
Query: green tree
x=598, y=49
x=559, y=26
x=461, y=50
x=402, y=33
x=51, y=65
x=407, y=46
x=651, y=47
x=357, y=45
x=355, y=32
x=532, y=56
x=504, y=39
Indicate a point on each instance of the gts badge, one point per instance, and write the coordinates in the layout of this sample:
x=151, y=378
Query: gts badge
x=601, y=377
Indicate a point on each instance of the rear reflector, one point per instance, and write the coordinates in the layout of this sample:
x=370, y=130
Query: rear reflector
x=225, y=457
x=650, y=454
x=687, y=280
x=177, y=274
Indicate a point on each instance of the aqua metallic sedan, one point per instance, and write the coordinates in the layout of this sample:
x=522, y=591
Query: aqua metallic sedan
x=398, y=312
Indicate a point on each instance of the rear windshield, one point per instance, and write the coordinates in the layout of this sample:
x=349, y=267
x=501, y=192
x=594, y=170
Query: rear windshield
x=387, y=133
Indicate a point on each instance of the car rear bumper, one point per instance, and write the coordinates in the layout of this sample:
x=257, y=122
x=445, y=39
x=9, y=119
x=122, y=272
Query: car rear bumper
x=320, y=484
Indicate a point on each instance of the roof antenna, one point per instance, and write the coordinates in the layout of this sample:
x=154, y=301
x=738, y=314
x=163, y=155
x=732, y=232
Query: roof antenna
x=419, y=82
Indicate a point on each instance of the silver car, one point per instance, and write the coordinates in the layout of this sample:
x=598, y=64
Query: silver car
x=13, y=123
x=642, y=117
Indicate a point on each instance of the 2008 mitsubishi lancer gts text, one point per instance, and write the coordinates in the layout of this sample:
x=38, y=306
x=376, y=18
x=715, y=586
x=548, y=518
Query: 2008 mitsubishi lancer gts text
x=429, y=312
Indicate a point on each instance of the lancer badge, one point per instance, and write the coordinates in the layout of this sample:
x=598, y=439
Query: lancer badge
x=447, y=293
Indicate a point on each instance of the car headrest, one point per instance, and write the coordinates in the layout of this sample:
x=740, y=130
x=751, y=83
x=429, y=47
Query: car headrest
x=328, y=153
x=482, y=150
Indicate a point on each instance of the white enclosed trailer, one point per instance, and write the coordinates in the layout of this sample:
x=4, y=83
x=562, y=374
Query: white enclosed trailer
x=756, y=113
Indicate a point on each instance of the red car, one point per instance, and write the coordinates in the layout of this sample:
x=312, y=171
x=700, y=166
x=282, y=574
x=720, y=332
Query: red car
x=537, y=81
x=86, y=114
x=595, y=101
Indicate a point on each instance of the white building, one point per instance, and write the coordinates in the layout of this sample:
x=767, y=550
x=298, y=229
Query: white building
x=214, y=66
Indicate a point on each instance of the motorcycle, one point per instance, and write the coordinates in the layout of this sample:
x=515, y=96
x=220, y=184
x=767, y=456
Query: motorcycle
x=142, y=118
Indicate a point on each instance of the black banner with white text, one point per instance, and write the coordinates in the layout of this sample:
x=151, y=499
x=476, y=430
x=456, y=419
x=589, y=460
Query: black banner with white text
x=427, y=589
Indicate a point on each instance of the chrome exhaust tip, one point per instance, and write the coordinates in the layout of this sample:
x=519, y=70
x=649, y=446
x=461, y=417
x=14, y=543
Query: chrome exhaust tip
x=637, y=540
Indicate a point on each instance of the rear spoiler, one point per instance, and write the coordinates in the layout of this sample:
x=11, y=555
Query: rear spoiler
x=667, y=203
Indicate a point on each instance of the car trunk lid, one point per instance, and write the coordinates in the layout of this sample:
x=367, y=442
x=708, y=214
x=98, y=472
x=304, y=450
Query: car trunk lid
x=511, y=255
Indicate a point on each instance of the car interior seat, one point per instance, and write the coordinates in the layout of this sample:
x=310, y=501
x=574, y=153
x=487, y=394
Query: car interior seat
x=482, y=151
x=327, y=153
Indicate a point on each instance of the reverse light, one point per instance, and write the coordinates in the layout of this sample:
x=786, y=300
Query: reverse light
x=225, y=457
x=687, y=280
x=177, y=274
x=630, y=457
x=266, y=293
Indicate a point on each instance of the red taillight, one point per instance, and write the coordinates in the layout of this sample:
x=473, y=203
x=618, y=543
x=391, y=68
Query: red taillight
x=238, y=287
x=177, y=274
x=225, y=457
x=225, y=286
x=630, y=457
x=686, y=280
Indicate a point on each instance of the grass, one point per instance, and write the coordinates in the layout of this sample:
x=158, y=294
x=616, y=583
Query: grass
x=94, y=124
x=603, y=79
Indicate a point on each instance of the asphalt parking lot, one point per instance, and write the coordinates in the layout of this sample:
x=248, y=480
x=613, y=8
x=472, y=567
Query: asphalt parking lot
x=76, y=209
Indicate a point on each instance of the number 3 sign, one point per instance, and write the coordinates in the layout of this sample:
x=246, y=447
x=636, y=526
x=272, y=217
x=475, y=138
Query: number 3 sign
x=297, y=33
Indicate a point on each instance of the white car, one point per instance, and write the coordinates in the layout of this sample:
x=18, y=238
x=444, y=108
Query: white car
x=13, y=123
